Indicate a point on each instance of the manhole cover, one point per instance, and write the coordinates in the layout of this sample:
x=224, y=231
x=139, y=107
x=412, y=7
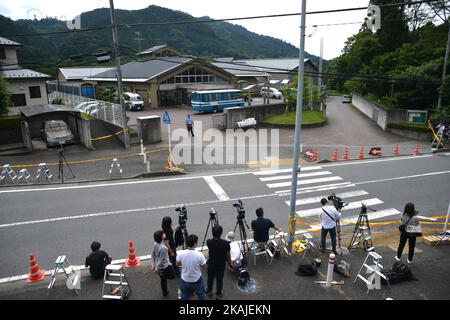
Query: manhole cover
x=250, y=286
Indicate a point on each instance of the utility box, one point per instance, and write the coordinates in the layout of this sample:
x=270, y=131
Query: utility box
x=149, y=129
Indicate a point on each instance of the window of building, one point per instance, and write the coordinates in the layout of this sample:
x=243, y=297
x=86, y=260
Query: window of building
x=2, y=53
x=35, y=92
x=194, y=75
x=19, y=100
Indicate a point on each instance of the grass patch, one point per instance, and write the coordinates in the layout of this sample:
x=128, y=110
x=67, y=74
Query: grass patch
x=410, y=127
x=9, y=123
x=308, y=117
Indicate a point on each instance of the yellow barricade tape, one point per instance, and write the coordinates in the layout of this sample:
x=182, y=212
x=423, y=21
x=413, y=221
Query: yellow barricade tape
x=110, y=136
x=434, y=133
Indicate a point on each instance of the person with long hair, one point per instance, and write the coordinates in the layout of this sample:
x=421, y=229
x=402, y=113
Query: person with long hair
x=409, y=218
x=161, y=262
x=169, y=232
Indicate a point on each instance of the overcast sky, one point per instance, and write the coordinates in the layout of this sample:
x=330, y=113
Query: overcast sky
x=286, y=29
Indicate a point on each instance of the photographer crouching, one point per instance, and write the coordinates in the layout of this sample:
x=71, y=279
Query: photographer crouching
x=328, y=216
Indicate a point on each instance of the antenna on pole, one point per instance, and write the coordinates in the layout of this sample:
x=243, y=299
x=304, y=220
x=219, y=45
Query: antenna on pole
x=138, y=39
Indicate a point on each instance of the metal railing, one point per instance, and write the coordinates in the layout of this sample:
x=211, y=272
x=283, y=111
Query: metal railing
x=106, y=111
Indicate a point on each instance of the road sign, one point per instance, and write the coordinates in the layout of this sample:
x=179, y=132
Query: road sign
x=166, y=118
x=375, y=151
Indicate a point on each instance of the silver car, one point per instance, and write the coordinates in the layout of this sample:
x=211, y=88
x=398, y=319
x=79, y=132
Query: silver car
x=56, y=132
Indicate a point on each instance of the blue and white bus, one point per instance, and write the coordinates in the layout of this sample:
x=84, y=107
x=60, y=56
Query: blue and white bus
x=216, y=100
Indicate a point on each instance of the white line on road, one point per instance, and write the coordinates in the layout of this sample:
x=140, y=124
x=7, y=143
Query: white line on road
x=323, y=187
x=119, y=212
x=302, y=175
x=217, y=189
x=426, y=218
x=351, y=205
x=372, y=216
x=317, y=199
x=405, y=177
x=272, y=172
x=303, y=182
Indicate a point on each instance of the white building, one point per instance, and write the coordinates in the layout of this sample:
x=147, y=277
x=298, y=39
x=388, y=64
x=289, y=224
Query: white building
x=27, y=86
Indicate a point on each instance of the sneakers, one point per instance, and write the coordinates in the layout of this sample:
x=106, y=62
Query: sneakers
x=398, y=259
x=219, y=296
x=409, y=262
x=209, y=293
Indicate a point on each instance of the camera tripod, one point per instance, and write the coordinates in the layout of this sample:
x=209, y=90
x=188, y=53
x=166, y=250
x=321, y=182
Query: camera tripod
x=241, y=223
x=213, y=221
x=362, y=233
x=61, y=161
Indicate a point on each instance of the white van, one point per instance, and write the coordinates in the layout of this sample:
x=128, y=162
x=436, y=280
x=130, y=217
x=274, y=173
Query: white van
x=133, y=101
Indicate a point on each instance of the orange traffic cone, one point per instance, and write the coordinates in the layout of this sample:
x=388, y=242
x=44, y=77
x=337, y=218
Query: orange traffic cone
x=361, y=153
x=346, y=154
x=315, y=155
x=335, y=155
x=132, y=261
x=396, y=151
x=416, y=150
x=36, y=274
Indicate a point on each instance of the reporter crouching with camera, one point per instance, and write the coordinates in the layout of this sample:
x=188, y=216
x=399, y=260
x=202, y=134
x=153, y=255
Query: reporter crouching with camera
x=328, y=216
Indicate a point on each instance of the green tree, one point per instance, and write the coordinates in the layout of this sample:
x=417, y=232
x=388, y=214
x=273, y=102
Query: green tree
x=5, y=98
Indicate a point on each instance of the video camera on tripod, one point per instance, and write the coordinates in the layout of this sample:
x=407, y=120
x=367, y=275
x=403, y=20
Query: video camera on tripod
x=182, y=216
x=240, y=210
x=338, y=203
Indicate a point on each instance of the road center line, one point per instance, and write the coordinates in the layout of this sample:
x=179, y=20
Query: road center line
x=404, y=177
x=217, y=189
x=119, y=212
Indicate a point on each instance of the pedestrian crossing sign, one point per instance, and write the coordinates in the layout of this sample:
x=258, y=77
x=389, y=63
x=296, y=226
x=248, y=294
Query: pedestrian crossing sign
x=166, y=118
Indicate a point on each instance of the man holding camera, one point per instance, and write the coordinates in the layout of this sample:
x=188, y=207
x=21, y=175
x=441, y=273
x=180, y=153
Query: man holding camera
x=328, y=216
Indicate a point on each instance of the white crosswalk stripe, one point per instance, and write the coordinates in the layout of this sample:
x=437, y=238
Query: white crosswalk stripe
x=317, y=199
x=272, y=172
x=351, y=205
x=300, y=176
x=303, y=182
x=311, y=182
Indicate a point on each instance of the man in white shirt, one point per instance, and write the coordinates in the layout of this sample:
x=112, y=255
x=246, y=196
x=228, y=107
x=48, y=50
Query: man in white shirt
x=191, y=261
x=328, y=216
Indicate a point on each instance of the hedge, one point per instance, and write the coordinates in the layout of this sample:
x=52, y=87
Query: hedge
x=9, y=123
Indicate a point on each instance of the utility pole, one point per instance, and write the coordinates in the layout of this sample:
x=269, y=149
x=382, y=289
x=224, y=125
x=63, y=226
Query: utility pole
x=320, y=67
x=138, y=39
x=444, y=70
x=298, y=129
x=126, y=132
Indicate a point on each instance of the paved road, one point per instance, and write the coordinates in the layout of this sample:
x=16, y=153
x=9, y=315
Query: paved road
x=51, y=220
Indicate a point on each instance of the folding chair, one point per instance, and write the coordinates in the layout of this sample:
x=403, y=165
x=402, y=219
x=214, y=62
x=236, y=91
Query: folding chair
x=445, y=237
x=255, y=252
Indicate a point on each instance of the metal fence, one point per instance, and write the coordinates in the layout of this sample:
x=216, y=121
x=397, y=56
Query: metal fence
x=106, y=111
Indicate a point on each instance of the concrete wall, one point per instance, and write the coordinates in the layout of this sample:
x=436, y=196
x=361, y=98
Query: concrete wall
x=149, y=129
x=25, y=131
x=22, y=87
x=259, y=112
x=99, y=128
x=421, y=136
x=382, y=117
x=84, y=128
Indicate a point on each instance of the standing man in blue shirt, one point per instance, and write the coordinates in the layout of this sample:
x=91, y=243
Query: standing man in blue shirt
x=328, y=216
x=190, y=125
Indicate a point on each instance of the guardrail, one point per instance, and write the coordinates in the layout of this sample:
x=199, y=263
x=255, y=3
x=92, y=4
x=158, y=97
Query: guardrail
x=107, y=111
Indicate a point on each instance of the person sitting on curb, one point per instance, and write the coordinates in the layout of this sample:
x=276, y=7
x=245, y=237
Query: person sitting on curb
x=97, y=261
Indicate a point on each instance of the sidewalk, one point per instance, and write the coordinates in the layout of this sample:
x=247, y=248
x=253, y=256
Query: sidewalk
x=274, y=282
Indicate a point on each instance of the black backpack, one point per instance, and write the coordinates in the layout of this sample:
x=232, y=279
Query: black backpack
x=306, y=269
x=403, y=270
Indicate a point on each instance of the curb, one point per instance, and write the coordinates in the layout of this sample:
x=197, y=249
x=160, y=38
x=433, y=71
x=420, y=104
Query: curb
x=141, y=175
x=292, y=126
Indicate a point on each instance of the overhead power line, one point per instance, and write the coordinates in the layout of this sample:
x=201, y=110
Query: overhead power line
x=187, y=22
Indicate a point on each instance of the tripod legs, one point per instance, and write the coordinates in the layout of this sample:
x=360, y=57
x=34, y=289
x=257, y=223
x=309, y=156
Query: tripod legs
x=61, y=161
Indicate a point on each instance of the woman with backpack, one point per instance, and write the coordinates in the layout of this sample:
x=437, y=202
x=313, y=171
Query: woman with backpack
x=410, y=229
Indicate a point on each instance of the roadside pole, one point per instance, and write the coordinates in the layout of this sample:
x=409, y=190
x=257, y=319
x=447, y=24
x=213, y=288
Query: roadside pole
x=168, y=121
x=298, y=130
x=446, y=219
x=444, y=70
x=126, y=132
x=320, y=66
